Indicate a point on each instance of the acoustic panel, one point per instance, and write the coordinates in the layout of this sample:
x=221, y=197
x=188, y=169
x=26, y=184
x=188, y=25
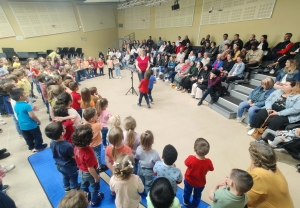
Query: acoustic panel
x=96, y=17
x=137, y=17
x=44, y=18
x=165, y=17
x=235, y=10
x=5, y=27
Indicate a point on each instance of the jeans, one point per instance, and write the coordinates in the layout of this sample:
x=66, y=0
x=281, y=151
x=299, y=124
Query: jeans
x=79, y=111
x=251, y=110
x=2, y=107
x=70, y=175
x=150, y=95
x=104, y=135
x=16, y=124
x=146, y=98
x=33, y=138
x=117, y=68
x=136, y=166
x=77, y=77
x=188, y=189
x=172, y=76
x=90, y=72
x=37, y=85
x=88, y=180
x=97, y=151
x=141, y=75
x=147, y=177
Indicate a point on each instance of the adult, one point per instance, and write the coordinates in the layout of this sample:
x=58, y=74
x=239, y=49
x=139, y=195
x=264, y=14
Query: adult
x=158, y=63
x=199, y=57
x=206, y=59
x=173, y=48
x=236, y=39
x=152, y=60
x=207, y=47
x=125, y=59
x=295, y=53
x=180, y=55
x=170, y=68
x=270, y=188
x=237, y=71
x=236, y=51
x=226, y=51
x=283, y=107
x=214, y=85
x=181, y=74
x=186, y=40
x=218, y=62
x=153, y=51
x=135, y=44
x=256, y=100
x=187, y=49
x=213, y=51
x=168, y=49
x=286, y=73
x=162, y=47
x=187, y=80
x=142, y=64
x=159, y=42
x=225, y=41
x=263, y=43
x=178, y=41
x=124, y=46
x=172, y=74
x=248, y=44
x=192, y=56
x=205, y=40
x=179, y=47
x=201, y=81
x=227, y=64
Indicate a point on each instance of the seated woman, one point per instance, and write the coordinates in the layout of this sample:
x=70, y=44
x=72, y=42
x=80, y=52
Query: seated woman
x=282, y=106
x=256, y=100
x=177, y=69
x=193, y=71
x=270, y=188
x=162, y=48
x=125, y=59
x=227, y=66
x=213, y=51
x=237, y=71
x=163, y=67
x=214, y=85
x=226, y=51
x=201, y=81
x=289, y=72
x=192, y=56
x=181, y=74
x=158, y=63
x=218, y=63
x=199, y=58
x=206, y=59
x=236, y=51
x=152, y=60
x=170, y=68
x=167, y=49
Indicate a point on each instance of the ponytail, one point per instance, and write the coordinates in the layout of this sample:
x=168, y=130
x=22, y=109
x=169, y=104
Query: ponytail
x=130, y=125
x=100, y=104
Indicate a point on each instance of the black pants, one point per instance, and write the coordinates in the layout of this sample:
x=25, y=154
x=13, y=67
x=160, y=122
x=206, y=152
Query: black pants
x=146, y=98
x=248, y=70
x=101, y=71
x=95, y=71
x=150, y=95
x=275, y=122
x=210, y=90
x=186, y=84
x=230, y=79
x=110, y=72
x=31, y=90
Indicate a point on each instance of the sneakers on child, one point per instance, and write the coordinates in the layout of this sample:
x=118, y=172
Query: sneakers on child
x=100, y=197
x=166, y=80
x=152, y=101
x=34, y=150
x=113, y=193
x=120, y=77
x=4, y=188
x=139, y=104
x=102, y=168
x=8, y=168
x=149, y=106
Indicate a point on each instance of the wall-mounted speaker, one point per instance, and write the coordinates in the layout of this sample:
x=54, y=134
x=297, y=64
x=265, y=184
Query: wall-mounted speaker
x=175, y=7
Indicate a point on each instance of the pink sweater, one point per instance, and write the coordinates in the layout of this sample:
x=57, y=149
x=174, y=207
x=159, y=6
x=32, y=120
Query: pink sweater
x=103, y=118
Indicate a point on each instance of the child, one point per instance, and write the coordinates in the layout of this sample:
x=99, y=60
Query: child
x=143, y=87
x=110, y=65
x=147, y=158
x=197, y=168
x=63, y=154
x=167, y=168
x=95, y=63
x=74, y=199
x=87, y=163
x=41, y=79
x=16, y=63
x=116, y=148
x=113, y=121
x=86, y=99
x=76, y=72
x=91, y=70
x=281, y=136
x=90, y=116
x=161, y=195
x=101, y=66
x=234, y=195
x=152, y=81
x=53, y=92
x=116, y=63
x=94, y=94
x=29, y=123
x=62, y=111
x=103, y=116
x=76, y=97
x=124, y=184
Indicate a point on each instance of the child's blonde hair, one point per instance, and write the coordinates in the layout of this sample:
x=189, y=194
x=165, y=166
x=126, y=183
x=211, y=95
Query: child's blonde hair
x=147, y=139
x=124, y=166
x=115, y=137
x=114, y=121
x=86, y=97
x=129, y=125
x=100, y=105
x=53, y=91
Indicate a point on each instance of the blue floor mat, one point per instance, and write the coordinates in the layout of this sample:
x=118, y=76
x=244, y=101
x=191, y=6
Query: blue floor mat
x=51, y=180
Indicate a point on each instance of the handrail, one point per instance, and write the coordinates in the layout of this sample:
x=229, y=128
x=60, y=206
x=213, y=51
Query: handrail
x=118, y=44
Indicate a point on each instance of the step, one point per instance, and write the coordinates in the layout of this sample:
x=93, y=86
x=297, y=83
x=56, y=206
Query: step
x=223, y=110
x=262, y=76
x=239, y=94
x=229, y=102
x=255, y=82
x=246, y=88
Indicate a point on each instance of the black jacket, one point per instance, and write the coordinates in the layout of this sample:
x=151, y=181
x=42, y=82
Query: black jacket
x=159, y=62
x=150, y=43
x=205, y=74
x=247, y=45
x=185, y=41
x=227, y=66
x=265, y=46
x=213, y=52
x=239, y=41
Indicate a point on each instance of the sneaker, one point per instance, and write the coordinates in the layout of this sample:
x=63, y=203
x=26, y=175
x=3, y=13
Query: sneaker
x=35, y=108
x=152, y=102
x=4, y=155
x=40, y=149
x=280, y=150
x=149, y=106
x=248, y=127
x=272, y=71
x=117, y=77
x=200, y=103
x=113, y=193
x=100, y=197
x=102, y=168
x=67, y=189
x=171, y=84
x=3, y=150
x=139, y=104
x=266, y=70
x=158, y=78
x=4, y=188
x=250, y=132
x=238, y=120
x=8, y=168
x=166, y=80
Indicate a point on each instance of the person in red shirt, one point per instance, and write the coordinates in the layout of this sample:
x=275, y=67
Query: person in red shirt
x=87, y=163
x=76, y=97
x=95, y=66
x=101, y=66
x=143, y=87
x=62, y=111
x=197, y=168
x=177, y=50
x=142, y=64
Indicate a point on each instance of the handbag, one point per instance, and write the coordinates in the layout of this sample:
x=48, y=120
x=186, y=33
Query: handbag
x=259, y=131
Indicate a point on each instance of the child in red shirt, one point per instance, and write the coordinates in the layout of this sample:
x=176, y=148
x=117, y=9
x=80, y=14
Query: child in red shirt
x=197, y=168
x=143, y=87
x=87, y=163
x=101, y=66
x=76, y=97
x=95, y=66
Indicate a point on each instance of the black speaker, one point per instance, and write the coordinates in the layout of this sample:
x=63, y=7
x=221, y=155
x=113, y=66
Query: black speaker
x=175, y=7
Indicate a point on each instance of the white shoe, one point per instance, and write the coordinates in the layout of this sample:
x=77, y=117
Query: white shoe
x=120, y=77
x=238, y=120
x=272, y=71
x=158, y=78
x=171, y=84
x=250, y=132
x=248, y=127
x=8, y=168
x=166, y=80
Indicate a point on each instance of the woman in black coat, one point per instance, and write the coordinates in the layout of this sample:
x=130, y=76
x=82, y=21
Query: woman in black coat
x=201, y=82
x=187, y=82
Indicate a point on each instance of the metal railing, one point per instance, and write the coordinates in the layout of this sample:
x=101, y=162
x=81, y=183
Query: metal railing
x=118, y=44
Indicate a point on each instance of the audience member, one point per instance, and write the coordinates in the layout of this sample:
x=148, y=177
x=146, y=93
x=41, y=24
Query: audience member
x=206, y=59
x=150, y=42
x=186, y=82
x=223, y=43
x=205, y=40
x=213, y=51
x=178, y=41
x=218, y=63
x=159, y=42
x=237, y=71
x=236, y=51
x=186, y=40
x=179, y=48
x=295, y=53
x=263, y=43
x=180, y=55
x=199, y=58
x=236, y=39
x=177, y=69
x=201, y=81
x=248, y=44
x=253, y=58
x=287, y=73
x=227, y=65
x=181, y=74
x=192, y=56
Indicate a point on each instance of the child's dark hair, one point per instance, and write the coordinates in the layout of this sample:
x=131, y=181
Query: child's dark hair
x=100, y=104
x=147, y=74
x=86, y=97
x=161, y=193
x=201, y=147
x=63, y=75
x=124, y=166
x=41, y=77
x=74, y=199
x=115, y=137
x=54, y=130
x=63, y=99
x=8, y=87
x=60, y=110
x=15, y=94
x=73, y=86
x=169, y=154
x=93, y=90
x=243, y=181
x=89, y=113
x=82, y=135
x=147, y=140
x=10, y=69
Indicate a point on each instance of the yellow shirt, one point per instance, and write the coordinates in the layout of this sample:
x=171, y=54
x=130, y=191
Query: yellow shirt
x=236, y=55
x=270, y=190
x=52, y=54
x=16, y=65
x=86, y=64
x=27, y=86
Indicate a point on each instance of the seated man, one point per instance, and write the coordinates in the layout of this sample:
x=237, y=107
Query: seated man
x=159, y=43
x=180, y=56
x=186, y=40
x=247, y=46
x=205, y=40
x=225, y=41
x=253, y=58
x=236, y=39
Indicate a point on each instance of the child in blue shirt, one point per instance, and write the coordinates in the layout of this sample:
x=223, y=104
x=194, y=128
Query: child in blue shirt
x=29, y=123
x=63, y=154
x=152, y=81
